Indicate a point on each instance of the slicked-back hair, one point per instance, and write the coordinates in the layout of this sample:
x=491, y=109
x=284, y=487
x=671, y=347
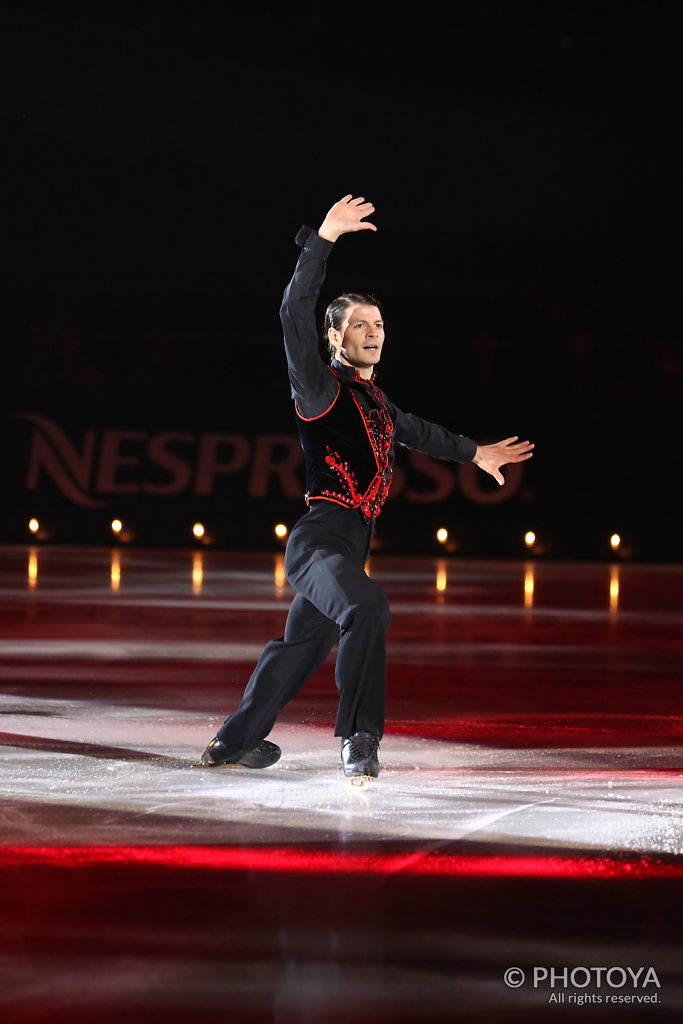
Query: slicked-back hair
x=337, y=309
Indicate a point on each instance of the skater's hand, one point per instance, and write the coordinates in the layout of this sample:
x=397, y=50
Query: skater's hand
x=490, y=457
x=345, y=216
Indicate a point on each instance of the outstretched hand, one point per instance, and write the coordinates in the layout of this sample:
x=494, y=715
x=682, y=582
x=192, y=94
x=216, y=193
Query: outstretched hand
x=346, y=215
x=490, y=457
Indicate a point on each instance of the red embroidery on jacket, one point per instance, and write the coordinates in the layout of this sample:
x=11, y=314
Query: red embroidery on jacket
x=351, y=495
x=379, y=428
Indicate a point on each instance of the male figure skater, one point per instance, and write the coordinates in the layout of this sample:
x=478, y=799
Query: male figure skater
x=348, y=430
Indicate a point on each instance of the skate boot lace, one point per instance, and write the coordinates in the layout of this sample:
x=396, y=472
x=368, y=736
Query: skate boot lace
x=361, y=746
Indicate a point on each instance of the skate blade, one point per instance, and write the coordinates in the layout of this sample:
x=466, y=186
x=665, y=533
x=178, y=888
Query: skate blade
x=360, y=781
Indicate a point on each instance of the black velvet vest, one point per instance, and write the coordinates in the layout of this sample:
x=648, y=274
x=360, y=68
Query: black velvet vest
x=349, y=449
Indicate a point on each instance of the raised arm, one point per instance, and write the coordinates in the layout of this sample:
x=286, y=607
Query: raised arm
x=313, y=385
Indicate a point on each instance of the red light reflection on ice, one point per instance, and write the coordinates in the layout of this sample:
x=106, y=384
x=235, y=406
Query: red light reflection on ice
x=295, y=861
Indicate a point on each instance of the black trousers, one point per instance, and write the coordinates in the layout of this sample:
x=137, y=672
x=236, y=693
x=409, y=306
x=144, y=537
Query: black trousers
x=335, y=599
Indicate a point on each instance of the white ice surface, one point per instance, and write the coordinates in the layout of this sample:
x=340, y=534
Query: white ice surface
x=136, y=762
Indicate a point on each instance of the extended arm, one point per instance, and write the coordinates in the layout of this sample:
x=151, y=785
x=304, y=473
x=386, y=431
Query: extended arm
x=431, y=438
x=313, y=385
x=422, y=436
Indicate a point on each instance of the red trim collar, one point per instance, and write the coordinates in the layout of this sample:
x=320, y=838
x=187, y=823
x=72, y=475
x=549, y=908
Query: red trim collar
x=353, y=373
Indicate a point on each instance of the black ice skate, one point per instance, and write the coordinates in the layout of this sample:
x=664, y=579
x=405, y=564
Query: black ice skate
x=261, y=756
x=359, y=758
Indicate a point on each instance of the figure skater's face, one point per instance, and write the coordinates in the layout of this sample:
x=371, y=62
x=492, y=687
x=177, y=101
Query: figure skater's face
x=360, y=338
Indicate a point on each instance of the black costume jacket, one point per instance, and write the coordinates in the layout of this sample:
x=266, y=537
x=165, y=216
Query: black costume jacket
x=347, y=425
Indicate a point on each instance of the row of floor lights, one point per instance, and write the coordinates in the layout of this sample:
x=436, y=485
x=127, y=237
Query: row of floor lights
x=199, y=530
x=529, y=538
x=281, y=531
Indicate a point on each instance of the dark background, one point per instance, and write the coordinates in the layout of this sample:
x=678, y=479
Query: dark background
x=524, y=160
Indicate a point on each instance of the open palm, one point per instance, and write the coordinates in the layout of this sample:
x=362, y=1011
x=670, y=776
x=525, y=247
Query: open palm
x=490, y=457
x=345, y=216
